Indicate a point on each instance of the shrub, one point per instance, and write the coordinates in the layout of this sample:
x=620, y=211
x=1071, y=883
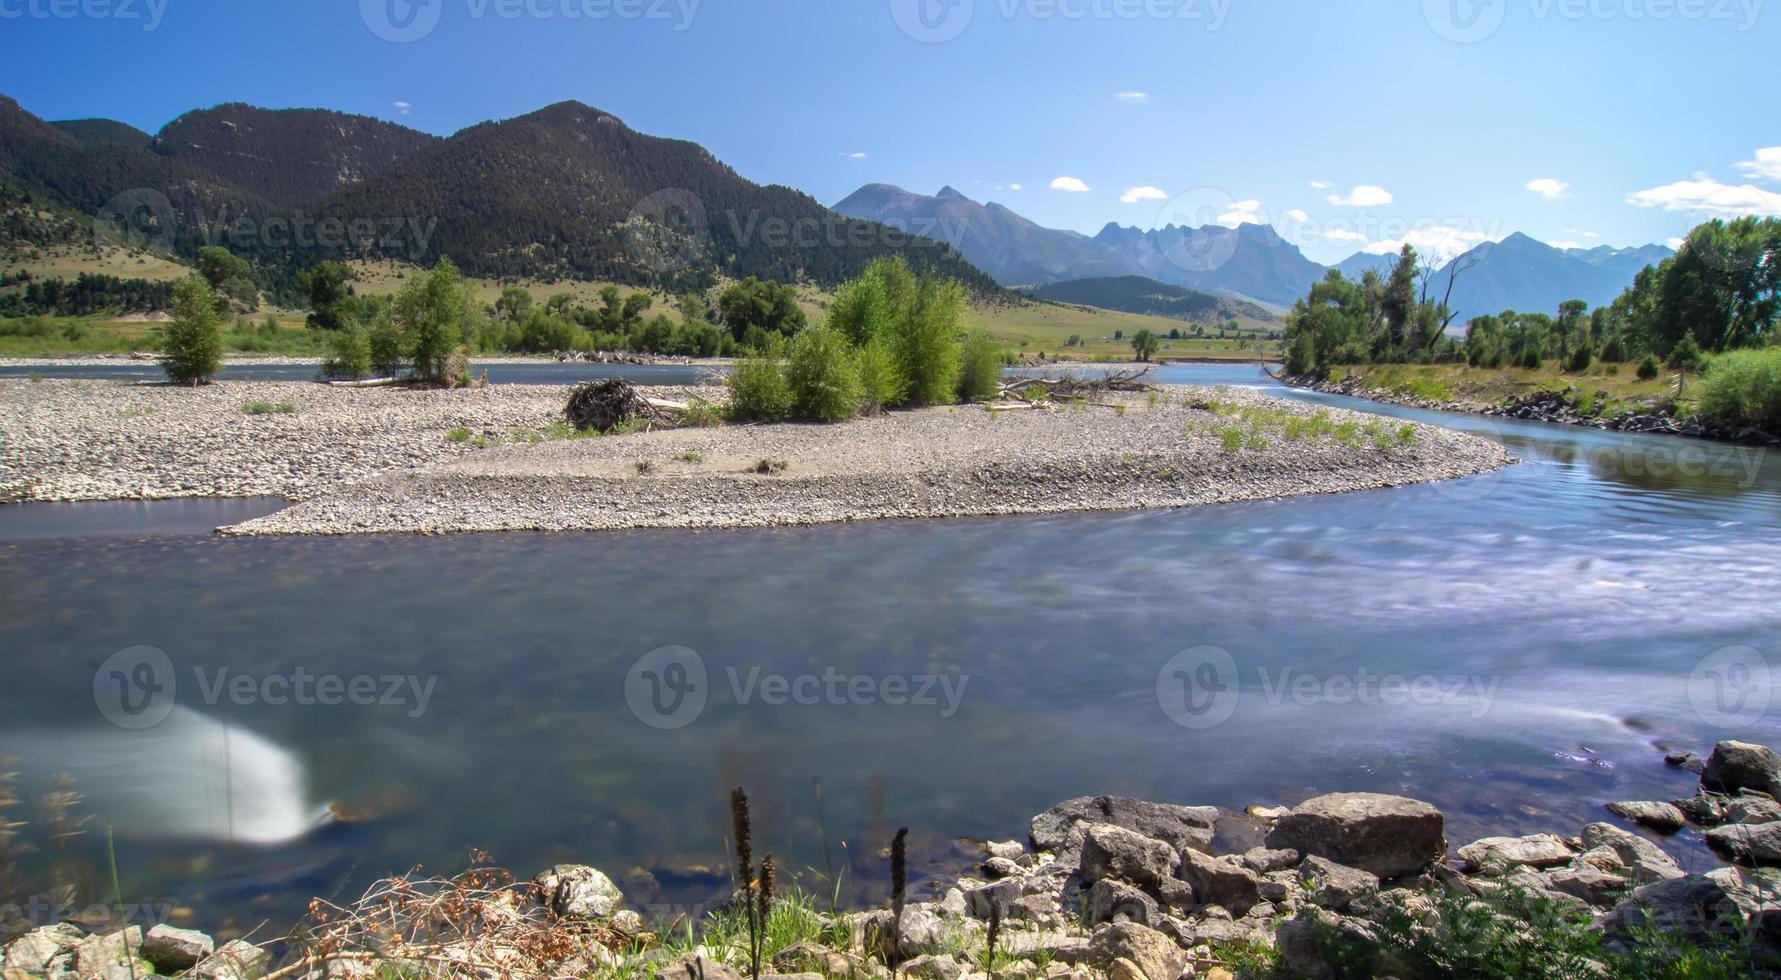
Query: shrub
x=759, y=391
x=1648, y=367
x=823, y=376
x=980, y=368
x=191, y=345
x=1744, y=388
x=269, y=408
x=881, y=383
x=928, y=343
x=1579, y=360
x=349, y=353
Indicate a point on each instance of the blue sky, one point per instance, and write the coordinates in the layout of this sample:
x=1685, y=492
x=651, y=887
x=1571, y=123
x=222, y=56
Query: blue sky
x=1426, y=119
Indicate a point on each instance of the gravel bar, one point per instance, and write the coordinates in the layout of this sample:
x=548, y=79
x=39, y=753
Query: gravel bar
x=960, y=461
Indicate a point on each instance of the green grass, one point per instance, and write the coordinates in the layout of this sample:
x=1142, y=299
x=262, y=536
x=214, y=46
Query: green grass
x=268, y=408
x=459, y=434
x=1256, y=423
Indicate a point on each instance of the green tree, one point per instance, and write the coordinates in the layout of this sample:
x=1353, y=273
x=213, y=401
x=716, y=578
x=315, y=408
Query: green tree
x=764, y=306
x=1685, y=357
x=514, y=303
x=192, y=344
x=229, y=276
x=329, y=295
x=980, y=367
x=927, y=342
x=1145, y=344
x=431, y=311
x=1399, y=302
x=349, y=353
x=823, y=375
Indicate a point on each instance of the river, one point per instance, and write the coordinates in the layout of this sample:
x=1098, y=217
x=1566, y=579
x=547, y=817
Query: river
x=1514, y=648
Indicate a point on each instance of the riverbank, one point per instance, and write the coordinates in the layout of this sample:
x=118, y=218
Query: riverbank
x=1593, y=409
x=1343, y=884
x=1177, y=447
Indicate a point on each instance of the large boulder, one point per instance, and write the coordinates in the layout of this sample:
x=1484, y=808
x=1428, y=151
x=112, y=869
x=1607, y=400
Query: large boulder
x=1113, y=901
x=1757, y=844
x=1181, y=827
x=1333, y=886
x=1502, y=853
x=1742, y=765
x=1665, y=818
x=578, y=891
x=1156, y=956
x=1221, y=882
x=1644, y=860
x=1385, y=835
x=1699, y=908
x=172, y=950
x=34, y=951
x=1125, y=855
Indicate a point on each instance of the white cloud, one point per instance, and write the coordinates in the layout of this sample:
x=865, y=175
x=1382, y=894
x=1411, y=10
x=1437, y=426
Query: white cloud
x=1014, y=187
x=1343, y=235
x=1321, y=185
x=1145, y=193
x=1585, y=234
x=1132, y=96
x=402, y=107
x=1675, y=244
x=855, y=155
x=1298, y=215
x=1706, y=196
x=1071, y=184
x=1440, y=242
x=1547, y=187
x=1564, y=245
x=1242, y=213
x=1766, y=166
x=1363, y=196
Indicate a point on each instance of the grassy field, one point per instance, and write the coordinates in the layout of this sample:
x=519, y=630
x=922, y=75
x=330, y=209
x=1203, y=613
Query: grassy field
x=1493, y=386
x=1027, y=330
x=69, y=261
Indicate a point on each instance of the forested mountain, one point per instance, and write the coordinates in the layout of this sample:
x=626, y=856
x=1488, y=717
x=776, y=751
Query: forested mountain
x=103, y=132
x=1249, y=260
x=1519, y=273
x=566, y=192
x=1137, y=294
x=289, y=156
x=1012, y=249
x=164, y=200
x=571, y=191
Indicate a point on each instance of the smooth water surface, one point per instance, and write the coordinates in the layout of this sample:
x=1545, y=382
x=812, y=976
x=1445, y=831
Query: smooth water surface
x=1552, y=624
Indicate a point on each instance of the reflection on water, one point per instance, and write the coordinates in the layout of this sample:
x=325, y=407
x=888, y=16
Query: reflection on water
x=1512, y=648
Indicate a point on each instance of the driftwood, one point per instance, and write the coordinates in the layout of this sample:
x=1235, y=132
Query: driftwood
x=366, y=383
x=1032, y=388
x=604, y=405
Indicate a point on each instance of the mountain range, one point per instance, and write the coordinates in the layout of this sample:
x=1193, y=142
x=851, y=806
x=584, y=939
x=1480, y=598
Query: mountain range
x=1249, y=262
x=567, y=192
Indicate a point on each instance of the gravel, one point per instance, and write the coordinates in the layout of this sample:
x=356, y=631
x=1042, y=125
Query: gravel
x=107, y=440
x=929, y=463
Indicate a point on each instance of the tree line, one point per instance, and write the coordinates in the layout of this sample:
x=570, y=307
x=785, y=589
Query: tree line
x=1721, y=291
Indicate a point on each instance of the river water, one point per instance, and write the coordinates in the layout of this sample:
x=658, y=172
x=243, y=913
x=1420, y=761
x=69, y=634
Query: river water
x=1514, y=648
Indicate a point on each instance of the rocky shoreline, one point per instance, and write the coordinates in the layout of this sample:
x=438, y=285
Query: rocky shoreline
x=1547, y=406
x=1102, y=887
x=1164, y=449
